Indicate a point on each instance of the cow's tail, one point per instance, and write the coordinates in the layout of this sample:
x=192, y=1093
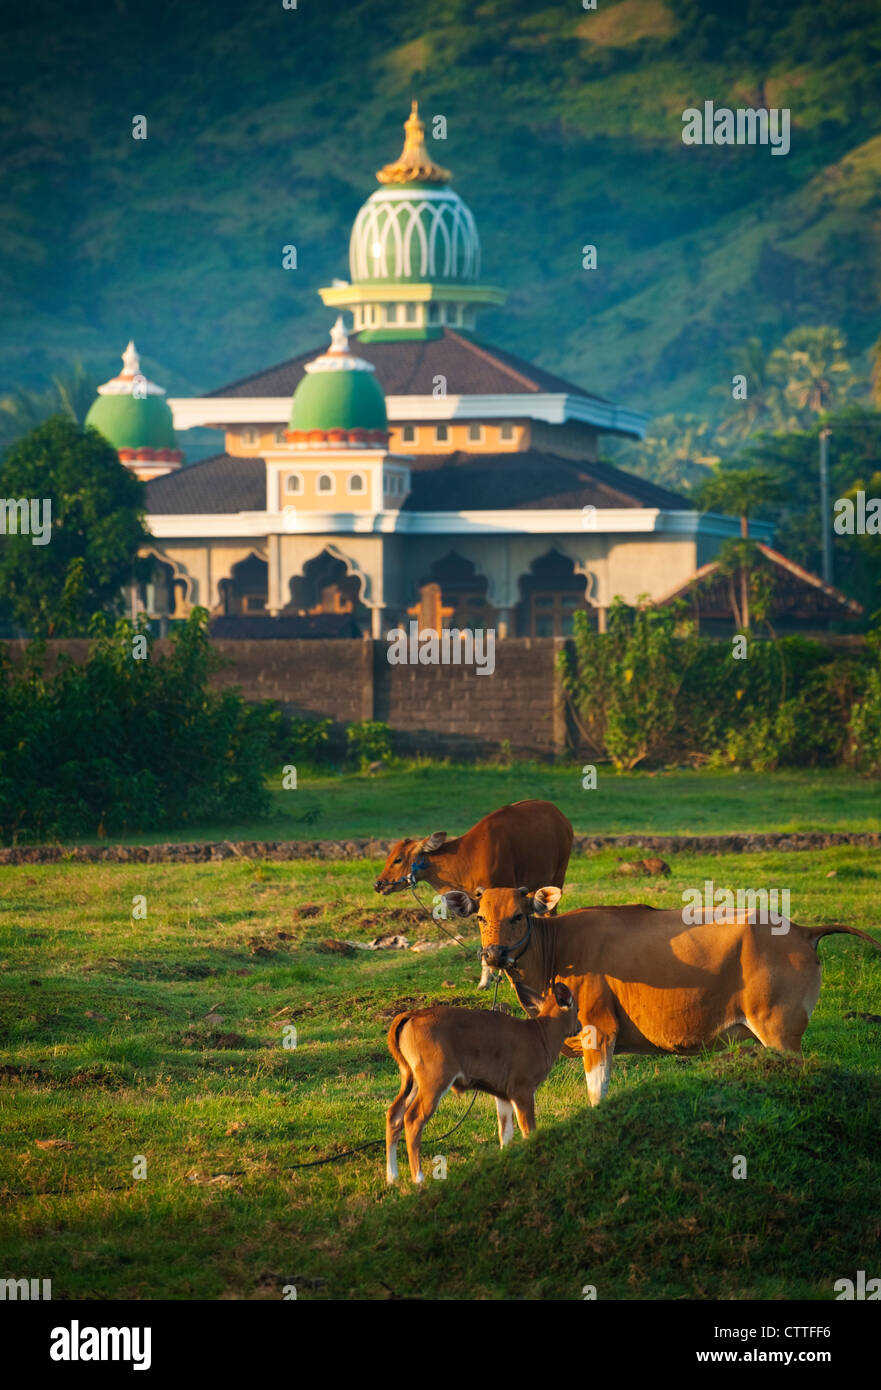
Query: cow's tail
x=394, y=1046
x=816, y=934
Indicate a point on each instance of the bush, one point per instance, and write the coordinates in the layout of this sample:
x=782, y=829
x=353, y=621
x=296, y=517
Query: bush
x=865, y=720
x=120, y=745
x=368, y=742
x=623, y=685
x=306, y=740
x=651, y=689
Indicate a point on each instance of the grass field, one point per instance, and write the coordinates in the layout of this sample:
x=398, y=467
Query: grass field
x=413, y=798
x=162, y=1037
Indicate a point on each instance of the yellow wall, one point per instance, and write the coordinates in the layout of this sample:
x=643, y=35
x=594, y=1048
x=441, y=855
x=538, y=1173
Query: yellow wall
x=425, y=442
x=340, y=500
x=457, y=430
x=265, y=440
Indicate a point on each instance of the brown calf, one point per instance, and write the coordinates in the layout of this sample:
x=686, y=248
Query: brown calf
x=443, y=1048
x=646, y=982
x=529, y=842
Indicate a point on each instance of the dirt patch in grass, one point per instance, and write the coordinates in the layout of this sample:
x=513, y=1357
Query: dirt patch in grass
x=214, y=1041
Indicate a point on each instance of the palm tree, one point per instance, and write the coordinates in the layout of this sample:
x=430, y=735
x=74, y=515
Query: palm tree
x=813, y=373
x=762, y=408
x=740, y=492
x=70, y=393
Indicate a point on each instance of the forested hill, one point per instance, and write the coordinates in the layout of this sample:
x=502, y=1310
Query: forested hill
x=266, y=124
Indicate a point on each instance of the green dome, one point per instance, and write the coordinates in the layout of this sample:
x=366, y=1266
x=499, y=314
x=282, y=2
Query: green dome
x=338, y=401
x=414, y=229
x=338, y=392
x=415, y=234
x=128, y=422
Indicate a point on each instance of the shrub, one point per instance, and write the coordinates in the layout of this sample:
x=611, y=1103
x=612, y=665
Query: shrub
x=118, y=744
x=650, y=688
x=624, y=684
x=865, y=720
x=306, y=740
x=368, y=741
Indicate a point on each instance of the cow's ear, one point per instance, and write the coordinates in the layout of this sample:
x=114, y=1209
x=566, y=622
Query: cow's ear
x=529, y=998
x=433, y=841
x=562, y=994
x=546, y=899
x=459, y=903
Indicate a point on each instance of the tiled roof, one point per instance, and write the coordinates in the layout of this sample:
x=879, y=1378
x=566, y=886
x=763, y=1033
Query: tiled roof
x=219, y=484
x=527, y=479
x=519, y=479
x=795, y=592
x=409, y=367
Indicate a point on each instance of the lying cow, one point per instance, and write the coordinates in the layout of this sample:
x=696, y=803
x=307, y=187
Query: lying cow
x=529, y=842
x=644, y=982
x=443, y=1048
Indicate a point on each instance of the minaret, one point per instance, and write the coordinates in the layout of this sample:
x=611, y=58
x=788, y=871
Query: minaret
x=414, y=252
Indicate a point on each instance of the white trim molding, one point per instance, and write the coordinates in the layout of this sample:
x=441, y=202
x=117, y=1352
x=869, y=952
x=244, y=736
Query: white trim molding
x=569, y=522
x=554, y=408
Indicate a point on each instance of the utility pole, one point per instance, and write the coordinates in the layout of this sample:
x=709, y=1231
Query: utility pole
x=824, y=504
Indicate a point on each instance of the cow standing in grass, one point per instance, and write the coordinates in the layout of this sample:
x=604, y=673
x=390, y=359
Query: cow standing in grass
x=644, y=981
x=528, y=842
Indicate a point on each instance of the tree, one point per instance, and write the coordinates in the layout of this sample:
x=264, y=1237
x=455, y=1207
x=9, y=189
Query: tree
x=676, y=452
x=813, y=374
x=762, y=407
x=97, y=510
x=741, y=491
x=71, y=393
x=853, y=464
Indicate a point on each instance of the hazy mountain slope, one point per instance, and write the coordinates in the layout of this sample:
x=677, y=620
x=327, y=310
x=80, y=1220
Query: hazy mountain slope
x=564, y=127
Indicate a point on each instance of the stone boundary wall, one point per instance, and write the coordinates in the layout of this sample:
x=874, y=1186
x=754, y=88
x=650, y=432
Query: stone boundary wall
x=445, y=710
x=287, y=850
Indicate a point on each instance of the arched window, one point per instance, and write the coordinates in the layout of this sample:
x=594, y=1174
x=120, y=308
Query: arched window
x=293, y=483
x=325, y=482
x=249, y=435
x=356, y=482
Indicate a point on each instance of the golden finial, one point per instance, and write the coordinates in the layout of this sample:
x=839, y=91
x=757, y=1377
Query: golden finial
x=414, y=165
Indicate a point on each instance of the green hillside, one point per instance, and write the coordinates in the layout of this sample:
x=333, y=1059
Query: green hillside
x=265, y=127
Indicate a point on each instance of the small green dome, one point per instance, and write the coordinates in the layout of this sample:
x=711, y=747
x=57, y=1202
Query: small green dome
x=338, y=392
x=129, y=410
x=127, y=422
x=338, y=401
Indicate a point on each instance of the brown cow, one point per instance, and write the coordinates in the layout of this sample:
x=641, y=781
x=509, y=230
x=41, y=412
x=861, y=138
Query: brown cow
x=645, y=982
x=443, y=1048
x=529, y=842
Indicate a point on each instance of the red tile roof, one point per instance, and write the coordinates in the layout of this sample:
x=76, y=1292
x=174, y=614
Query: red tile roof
x=408, y=368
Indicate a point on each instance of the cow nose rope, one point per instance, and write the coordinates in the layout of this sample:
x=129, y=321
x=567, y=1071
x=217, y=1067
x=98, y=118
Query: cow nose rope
x=437, y=923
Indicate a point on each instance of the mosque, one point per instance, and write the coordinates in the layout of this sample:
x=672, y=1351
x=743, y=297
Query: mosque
x=408, y=468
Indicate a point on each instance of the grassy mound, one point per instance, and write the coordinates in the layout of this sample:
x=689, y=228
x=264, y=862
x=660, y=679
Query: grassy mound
x=637, y=1198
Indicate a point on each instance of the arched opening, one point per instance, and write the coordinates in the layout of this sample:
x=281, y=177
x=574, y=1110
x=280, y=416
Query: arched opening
x=160, y=591
x=247, y=589
x=326, y=586
x=550, y=596
x=453, y=594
